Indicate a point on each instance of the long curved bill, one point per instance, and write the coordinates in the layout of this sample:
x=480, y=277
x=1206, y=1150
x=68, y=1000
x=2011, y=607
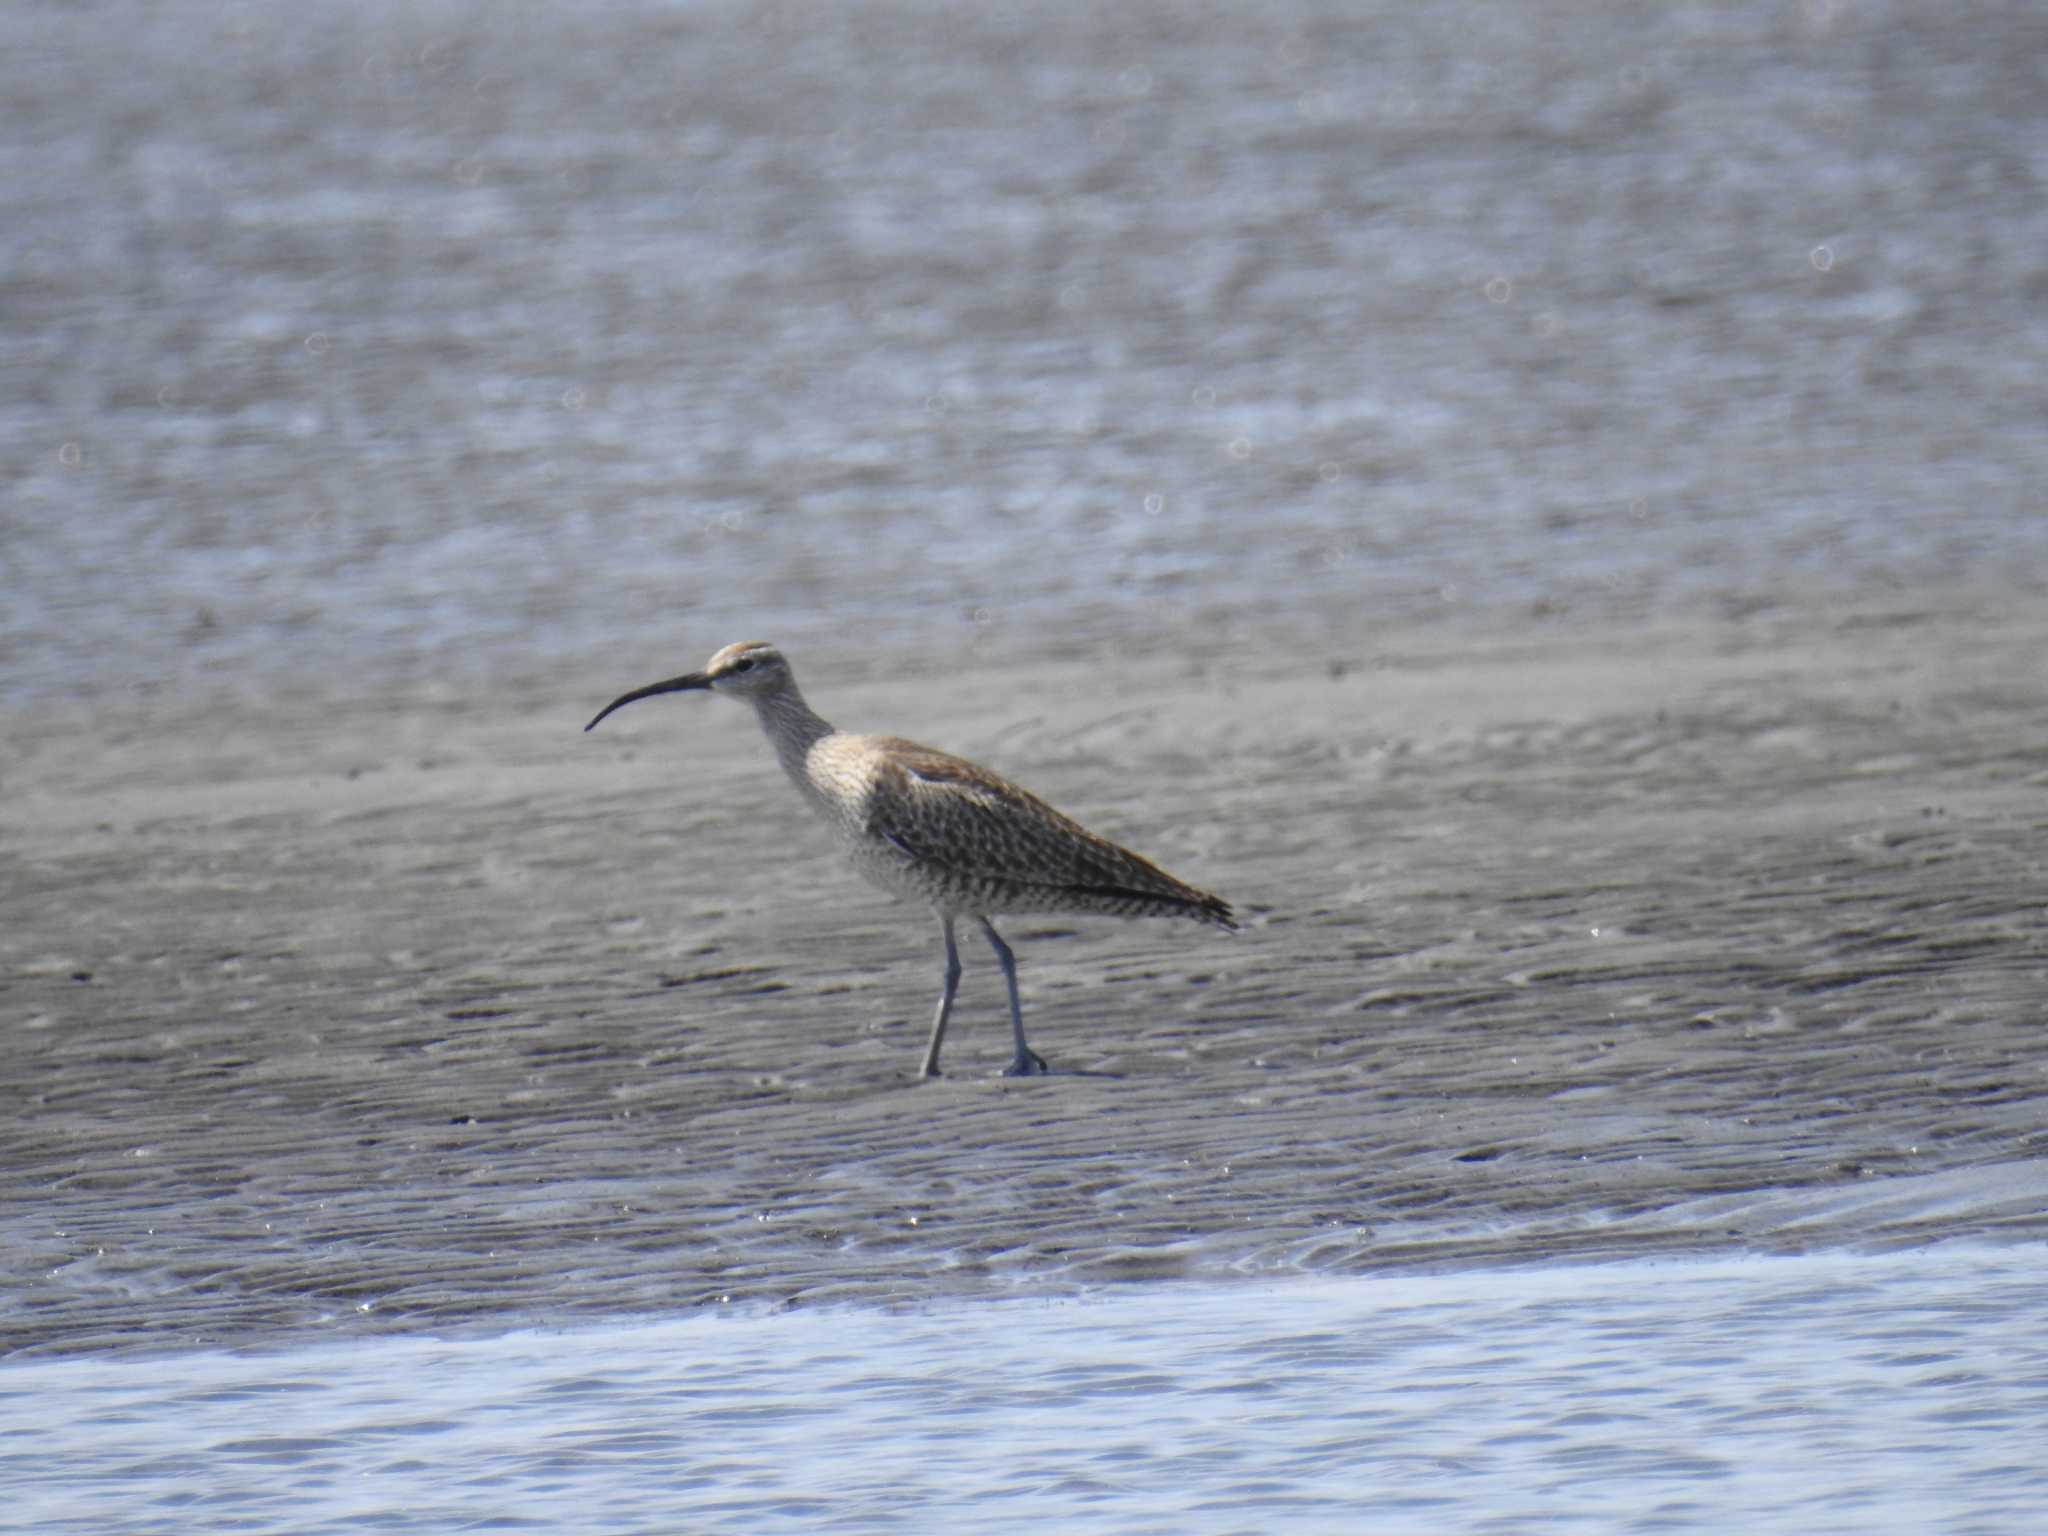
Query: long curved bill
x=673, y=685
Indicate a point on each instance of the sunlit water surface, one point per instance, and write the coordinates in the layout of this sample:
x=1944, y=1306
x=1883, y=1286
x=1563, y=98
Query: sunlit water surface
x=402, y=341
x=1904, y=1392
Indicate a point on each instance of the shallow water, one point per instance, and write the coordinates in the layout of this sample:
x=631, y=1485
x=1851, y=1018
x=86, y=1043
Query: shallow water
x=398, y=341
x=1902, y=1392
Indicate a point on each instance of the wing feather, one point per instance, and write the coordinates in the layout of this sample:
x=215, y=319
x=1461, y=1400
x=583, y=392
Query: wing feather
x=957, y=816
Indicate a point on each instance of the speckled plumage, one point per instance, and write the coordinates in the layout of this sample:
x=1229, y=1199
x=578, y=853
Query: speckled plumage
x=978, y=844
x=938, y=828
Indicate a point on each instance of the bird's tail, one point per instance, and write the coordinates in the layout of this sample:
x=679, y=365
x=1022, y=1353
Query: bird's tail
x=1203, y=908
x=1131, y=901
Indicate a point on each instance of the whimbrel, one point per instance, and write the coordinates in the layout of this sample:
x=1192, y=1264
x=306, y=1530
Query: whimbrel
x=938, y=828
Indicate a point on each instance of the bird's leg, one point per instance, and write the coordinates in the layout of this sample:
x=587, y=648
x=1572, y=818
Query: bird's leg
x=1027, y=1062
x=931, y=1051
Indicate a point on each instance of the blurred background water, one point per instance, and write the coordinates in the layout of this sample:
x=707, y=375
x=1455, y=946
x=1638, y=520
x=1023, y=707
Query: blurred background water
x=1834, y=1393
x=469, y=340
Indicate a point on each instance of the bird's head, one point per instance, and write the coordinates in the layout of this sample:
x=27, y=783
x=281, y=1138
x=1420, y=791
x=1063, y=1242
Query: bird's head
x=751, y=669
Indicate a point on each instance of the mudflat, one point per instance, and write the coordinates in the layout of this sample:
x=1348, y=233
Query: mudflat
x=345, y=1011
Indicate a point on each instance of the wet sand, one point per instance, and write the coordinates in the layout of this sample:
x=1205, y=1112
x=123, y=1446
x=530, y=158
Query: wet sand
x=369, y=1011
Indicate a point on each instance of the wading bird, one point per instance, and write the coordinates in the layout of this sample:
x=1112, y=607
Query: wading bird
x=940, y=829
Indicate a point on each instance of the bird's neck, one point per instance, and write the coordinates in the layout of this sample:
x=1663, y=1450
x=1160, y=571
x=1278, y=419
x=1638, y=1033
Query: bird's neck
x=794, y=728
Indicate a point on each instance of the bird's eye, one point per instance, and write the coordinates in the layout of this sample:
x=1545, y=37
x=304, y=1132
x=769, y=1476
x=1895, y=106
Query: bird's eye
x=744, y=666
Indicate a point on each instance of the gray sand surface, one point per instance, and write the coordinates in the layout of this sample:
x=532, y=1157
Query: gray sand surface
x=426, y=1011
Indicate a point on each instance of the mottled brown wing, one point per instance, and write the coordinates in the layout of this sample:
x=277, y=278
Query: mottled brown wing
x=955, y=815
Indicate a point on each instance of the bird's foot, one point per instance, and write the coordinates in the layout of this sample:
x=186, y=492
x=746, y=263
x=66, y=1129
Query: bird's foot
x=1027, y=1063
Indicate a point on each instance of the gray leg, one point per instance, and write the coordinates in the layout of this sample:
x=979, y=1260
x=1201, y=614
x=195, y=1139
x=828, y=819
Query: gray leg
x=931, y=1051
x=1027, y=1062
